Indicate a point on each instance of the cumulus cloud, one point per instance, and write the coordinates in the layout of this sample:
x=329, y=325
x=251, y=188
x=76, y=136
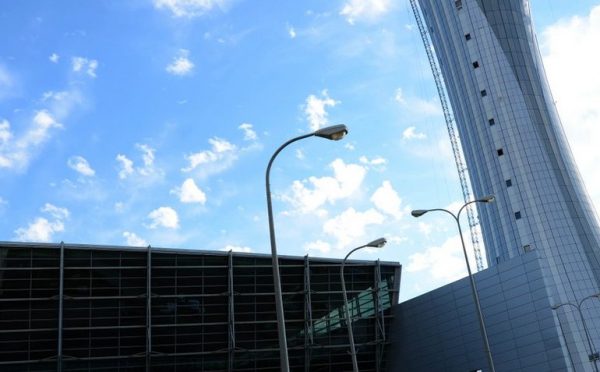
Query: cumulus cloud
x=133, y=240
x=386, y=199
x=565, y=44
x=43, y=229
x=189, y=8
x=291, y=32
x=318, y=246
x=148, y=171
x=181, y=64
x=163, y=217
x=80, y=165
x=350, y=226
x=219, y=158
x=411, y=133
x=377, y=161
x=309, y=195
x=54, y=58
x=443, y=264
x=189, y=192
x=81, y=64
x=249, y=133
x=315, y=109
x=16, y=151
x=236, y=248
x=358, y=10
x=417, y=105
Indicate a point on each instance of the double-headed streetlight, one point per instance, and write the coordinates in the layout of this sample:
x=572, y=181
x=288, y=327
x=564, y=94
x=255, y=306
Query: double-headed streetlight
x=374, y=244
x=335, y=133
x=594, y=355
x=485, y=199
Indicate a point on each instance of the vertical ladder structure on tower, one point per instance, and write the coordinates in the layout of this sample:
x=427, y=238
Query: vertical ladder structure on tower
x=453, y=134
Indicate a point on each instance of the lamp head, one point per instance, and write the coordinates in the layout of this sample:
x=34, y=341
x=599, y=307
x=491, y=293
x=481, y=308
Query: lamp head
x=418, y=212
x=334, y=132
x=378, y=243
x=487, y=199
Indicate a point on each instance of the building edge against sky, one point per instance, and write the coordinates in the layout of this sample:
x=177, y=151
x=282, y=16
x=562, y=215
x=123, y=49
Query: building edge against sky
x=515, y=148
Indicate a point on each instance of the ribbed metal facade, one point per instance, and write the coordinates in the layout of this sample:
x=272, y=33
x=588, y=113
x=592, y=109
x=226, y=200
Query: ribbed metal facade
x=515, y=148
x=75, y=308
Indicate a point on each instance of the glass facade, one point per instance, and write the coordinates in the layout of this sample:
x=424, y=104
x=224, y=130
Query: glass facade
x=521, y=155
x=71, y=307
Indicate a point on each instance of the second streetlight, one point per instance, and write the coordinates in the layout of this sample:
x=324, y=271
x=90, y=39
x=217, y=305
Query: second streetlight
x=484, y=336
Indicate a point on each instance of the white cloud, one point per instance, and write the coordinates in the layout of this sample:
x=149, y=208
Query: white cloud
x=411, y=133
x=56, y=212
x=300, y=154
x=443, y=263
x=570, y=52
x=346, y=180
x=147, y=172
x=291, y=32
x=54, y=58
x=181, y=64
x=133, y=240
x=357, y=10
x=377, y=161
x=126, y=166
x=81, y=64
x=249, y=133
x=42, y=229
x=189, y=8
x=165, y=217
x=219, y=158
x=417, y=105
x=318, y=246
x=236, y=248
x=80, y=165
x=16, y=151
x=350, y=226
x=189, y=192
x=386, y=199
x=315, y=109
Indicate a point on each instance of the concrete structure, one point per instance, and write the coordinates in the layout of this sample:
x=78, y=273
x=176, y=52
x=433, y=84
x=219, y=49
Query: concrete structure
x=515, y=148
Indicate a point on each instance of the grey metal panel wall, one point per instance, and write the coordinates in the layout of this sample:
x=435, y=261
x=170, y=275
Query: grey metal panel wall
x=522, y=156
x=439, y=331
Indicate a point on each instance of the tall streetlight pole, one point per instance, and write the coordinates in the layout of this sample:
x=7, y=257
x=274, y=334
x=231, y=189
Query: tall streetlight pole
x=374, y=244
x=593, y=356
x=484, y=336
x=335, y=133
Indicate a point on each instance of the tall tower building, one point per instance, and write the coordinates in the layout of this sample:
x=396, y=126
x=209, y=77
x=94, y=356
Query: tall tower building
x=515, y=148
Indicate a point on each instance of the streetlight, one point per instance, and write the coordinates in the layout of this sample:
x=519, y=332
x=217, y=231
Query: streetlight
x=334, y=133
x=485, y=199
x=593, y=356
x=374, y=244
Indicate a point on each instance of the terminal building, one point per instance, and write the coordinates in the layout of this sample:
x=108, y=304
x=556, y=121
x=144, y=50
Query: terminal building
x=101, y=308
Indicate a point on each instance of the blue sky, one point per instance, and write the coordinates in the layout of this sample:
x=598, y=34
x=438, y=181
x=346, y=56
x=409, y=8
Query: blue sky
x=152, y=122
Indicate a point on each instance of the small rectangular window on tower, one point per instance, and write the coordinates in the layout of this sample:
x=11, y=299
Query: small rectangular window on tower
x=475, y=64
x=484, y=93
x=492, y=121
x=518, y=215
x=500, y=152
x=458, y=4
x=468, y=36
x=508, y=182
